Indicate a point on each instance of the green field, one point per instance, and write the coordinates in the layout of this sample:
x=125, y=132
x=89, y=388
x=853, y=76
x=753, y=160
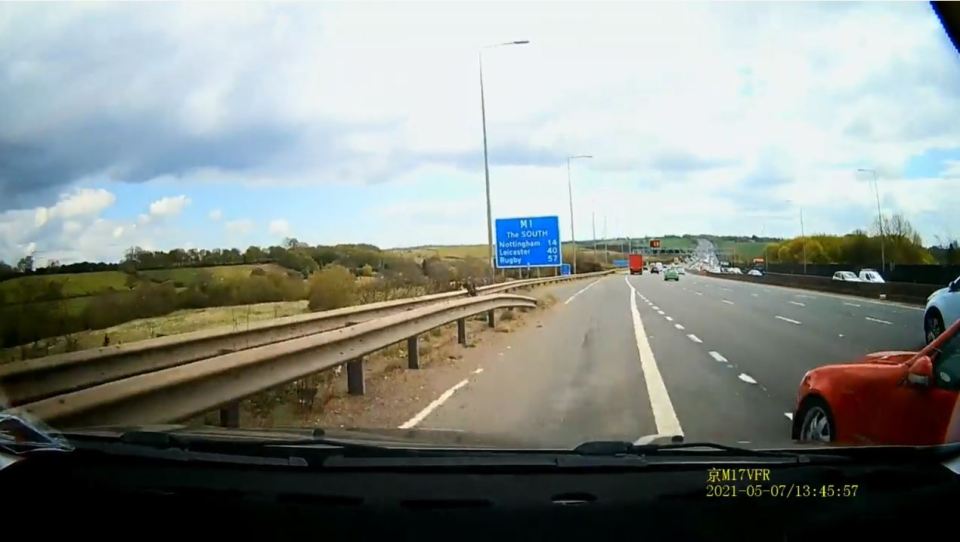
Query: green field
x=36, y=287
x=457, y=252
x=188, y=276
x=740, y=250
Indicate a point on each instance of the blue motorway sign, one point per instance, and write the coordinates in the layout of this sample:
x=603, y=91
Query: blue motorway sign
x=528, y=242
x=565, y=269
x=619, y=263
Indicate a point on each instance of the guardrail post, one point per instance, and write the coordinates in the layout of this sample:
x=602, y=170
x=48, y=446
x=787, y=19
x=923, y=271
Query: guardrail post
x=462, y=331
x=491, y=319
x=230, y=415
x=355, y=376
x=413, y=352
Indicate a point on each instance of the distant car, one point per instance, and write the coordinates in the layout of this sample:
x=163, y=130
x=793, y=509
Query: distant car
x=656, y=268
x=681, y=270
x=846, y=276
x=755, y=273
x=905, y=398
x=671, y=273
x=870, y=275
x=943, y=308
x=734, y=271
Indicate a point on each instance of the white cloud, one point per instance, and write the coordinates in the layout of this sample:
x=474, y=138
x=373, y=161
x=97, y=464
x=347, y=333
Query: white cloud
x=79, y=203
x=30, y=249
x=117, y=232
x=169, y=206
x=215, y=215
x=239, y=227
x=279, y=227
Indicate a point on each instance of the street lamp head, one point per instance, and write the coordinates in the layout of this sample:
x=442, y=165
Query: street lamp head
x=517, y=42
x=581, y=156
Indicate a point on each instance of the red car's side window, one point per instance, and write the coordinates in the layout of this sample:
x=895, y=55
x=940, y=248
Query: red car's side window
x=946, y=368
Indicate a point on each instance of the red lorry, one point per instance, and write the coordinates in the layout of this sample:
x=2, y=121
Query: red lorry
x=636, y=264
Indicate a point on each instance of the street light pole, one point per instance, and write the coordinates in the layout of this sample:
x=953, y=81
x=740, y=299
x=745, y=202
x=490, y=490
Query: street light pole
x=486, y=164
x=876, y=191
x=573, y=237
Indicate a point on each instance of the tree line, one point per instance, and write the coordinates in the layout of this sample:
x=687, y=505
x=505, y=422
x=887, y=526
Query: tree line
x=900, y=244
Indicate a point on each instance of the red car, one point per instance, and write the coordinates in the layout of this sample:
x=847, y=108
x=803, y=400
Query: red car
x=885, y=398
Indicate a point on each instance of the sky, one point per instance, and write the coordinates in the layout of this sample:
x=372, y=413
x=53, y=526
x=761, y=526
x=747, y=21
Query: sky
x=229, y=125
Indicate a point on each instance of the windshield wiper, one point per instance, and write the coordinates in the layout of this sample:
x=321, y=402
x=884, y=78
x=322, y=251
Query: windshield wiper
x=237, y=446
x=693, y=449
x=18, y=434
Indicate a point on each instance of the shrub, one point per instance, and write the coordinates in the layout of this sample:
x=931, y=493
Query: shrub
x=332, y=287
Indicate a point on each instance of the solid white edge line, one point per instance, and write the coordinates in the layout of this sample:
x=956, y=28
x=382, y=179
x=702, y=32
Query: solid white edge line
x=584, y=289
x=433, y=406
x=694, y=338
x=664, y=415
x=791, y=320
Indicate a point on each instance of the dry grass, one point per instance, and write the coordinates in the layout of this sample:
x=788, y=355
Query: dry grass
x=182, y=321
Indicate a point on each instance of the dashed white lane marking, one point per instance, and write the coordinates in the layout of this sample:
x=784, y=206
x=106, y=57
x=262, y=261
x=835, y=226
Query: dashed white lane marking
x=791, y=320
x=805, y=296
x=433, y=405
x=660, y=313
x=755, y=295
x=728, y=302
x=717, y=356
x=678, y=326
x=879, y=321
x=580, y=291
x=669, y=318
x=789, y=415
x=852, y=304
x=840, y=335
x=698, y=293
x=747, y=378
x=656, y=308
x=797, y=303
x=726, y=289
x=664, y=415
x=694, y=338
x=478, y=371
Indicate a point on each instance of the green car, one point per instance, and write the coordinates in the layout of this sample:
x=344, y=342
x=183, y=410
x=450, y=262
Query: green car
x=671, y=273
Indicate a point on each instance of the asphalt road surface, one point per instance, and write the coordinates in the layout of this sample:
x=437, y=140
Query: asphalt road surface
x=623, y=357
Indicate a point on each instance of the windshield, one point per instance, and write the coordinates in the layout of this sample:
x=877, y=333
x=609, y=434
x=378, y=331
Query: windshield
x=426, y=217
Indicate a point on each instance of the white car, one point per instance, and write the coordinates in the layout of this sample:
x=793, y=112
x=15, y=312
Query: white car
x=734, y=271
x=755, y=273
x=681, y=270
x=846, y=276
x=943, y=309
x=871, y=275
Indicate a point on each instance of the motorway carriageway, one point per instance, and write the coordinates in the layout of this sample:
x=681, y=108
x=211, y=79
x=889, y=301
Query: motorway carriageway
x=626, y=356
